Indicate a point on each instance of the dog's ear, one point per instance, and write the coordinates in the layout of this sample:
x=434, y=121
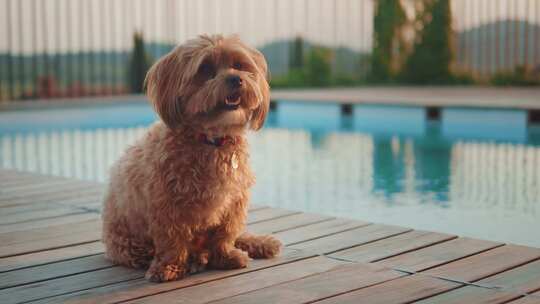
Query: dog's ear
x=259, y=114
x=163, y=85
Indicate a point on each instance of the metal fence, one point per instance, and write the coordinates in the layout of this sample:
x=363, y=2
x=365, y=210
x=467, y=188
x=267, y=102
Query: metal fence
x=62, y=48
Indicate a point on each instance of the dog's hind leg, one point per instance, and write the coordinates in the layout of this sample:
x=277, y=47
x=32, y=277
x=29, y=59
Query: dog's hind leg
x=125, y=249
x=258, y=246
x=121, y=245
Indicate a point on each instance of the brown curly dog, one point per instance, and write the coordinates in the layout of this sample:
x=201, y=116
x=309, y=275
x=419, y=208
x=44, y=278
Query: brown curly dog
x=177, y=200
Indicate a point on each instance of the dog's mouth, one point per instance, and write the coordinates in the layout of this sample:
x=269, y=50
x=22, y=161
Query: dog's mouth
x=232, y=102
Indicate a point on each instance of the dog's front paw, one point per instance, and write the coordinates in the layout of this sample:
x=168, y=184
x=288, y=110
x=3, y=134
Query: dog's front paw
x=165, y=273
x=269, y=247
x=233, y=259
x=259, y=246
x=198, y=261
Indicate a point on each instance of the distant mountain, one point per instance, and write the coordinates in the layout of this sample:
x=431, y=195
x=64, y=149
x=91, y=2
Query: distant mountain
x=89, y=67
x=277, y=56
x=110, y=66
x=509, y=35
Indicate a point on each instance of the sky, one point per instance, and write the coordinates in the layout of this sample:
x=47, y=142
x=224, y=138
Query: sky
x=61, y=25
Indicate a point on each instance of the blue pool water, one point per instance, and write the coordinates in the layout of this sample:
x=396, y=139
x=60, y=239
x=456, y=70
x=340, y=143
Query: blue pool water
x=474, y=172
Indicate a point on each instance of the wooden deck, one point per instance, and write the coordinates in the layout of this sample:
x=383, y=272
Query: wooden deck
x=50, y=252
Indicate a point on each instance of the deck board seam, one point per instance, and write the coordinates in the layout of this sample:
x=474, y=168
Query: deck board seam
x=303, y=225
x=273, y=218
x=51, y=262
x=449, y=279
x=271, y=286
x=74, y=212
x=371, y=241
x=309, y=256
x=66, y=293
x=60, y=276
x=486, y=276
x=49, y=248
x=460, y=258
x=453, y=237
x=360, y=225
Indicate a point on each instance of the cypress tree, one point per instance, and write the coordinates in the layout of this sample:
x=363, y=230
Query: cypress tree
x=387, y=24
x=139, y=63
x=432, y=55
x=296, y=53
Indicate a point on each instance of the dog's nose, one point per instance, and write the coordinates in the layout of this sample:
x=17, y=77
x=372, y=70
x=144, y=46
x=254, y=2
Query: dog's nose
x=234, y=81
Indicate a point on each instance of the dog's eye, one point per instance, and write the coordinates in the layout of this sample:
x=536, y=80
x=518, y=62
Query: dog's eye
x=237, y=66
x=207, y=70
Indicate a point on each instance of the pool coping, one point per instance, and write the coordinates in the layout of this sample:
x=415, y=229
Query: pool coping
x=431, y=96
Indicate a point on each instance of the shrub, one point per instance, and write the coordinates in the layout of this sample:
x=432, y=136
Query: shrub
x=520, y=76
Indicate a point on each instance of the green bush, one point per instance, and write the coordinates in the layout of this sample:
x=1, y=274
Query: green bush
x=430, y=60
x=318, y=69
x=294, y=79
x=520, y=76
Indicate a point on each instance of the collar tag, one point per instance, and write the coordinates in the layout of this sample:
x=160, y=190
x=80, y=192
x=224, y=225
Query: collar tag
x=234, y=161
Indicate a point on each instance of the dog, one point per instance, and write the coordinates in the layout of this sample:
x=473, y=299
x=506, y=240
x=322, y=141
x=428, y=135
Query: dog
x=177, y=199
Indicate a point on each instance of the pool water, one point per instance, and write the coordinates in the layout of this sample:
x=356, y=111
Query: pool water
x=473, y=172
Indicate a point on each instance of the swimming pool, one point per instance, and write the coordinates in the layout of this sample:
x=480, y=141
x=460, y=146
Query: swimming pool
x=472, y=172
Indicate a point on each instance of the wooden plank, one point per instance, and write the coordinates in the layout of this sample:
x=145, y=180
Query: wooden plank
x=10, y=177
x=32, y=190
x=333, y=282
x=254, y=207
x=439, y=254
x=472, y=294
x=486, y=263
x=527, y=300
x=29, y=216
x=245, y=283
x=51, y=243
x=525, y=278
x=317, y=230
x=22, y=180
x=49, y=256
x=46, y=256
x=43, y=223
x=48, y=233
x=287, y=222
x=92, y=201
x=392, y=246
x=350, y=238
x=56, y=197
x=72, y=283
x=27, y=208
x=53, y=270
x=83, y=199
x=267, y=214
x=20, y=242
x=402, y=290
x=123, y=291
x=41, y=186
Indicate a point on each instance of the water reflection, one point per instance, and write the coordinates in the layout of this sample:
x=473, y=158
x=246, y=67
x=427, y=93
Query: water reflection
x=83, y=154
x=421, y=177
x=490, y=175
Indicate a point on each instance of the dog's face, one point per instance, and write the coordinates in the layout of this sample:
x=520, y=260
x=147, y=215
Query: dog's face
x=212, y=83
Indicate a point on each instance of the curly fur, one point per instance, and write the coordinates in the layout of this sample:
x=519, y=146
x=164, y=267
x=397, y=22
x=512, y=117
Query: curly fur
x=176, y=205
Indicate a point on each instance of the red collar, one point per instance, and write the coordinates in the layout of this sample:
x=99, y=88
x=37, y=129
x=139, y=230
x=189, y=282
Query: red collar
x=216, y=141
